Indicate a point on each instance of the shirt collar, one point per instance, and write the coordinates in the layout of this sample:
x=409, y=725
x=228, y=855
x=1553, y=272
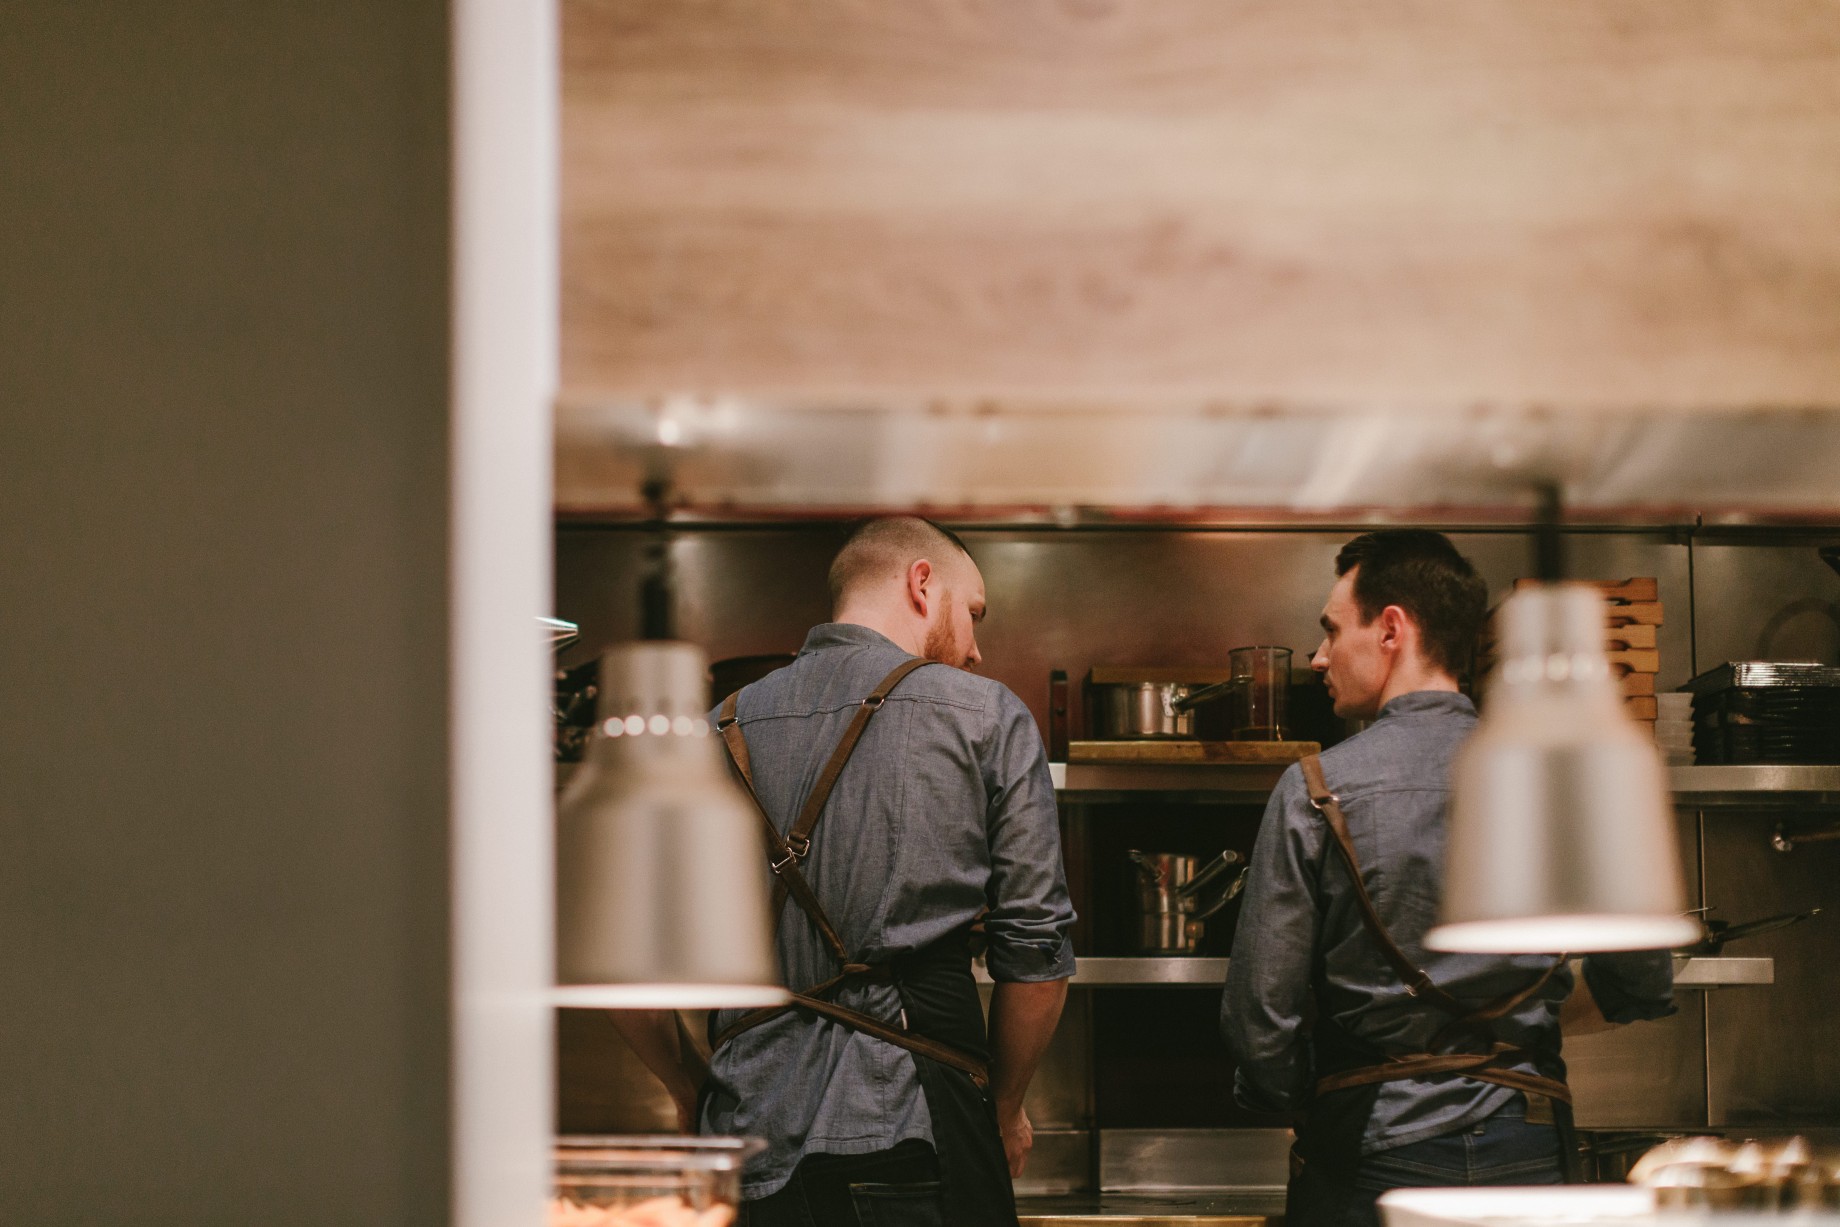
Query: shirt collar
x=845, y=635
x=1429, y=702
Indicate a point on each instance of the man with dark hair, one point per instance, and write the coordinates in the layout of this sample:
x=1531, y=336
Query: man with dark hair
x=1399, y=1065
x=906, y=804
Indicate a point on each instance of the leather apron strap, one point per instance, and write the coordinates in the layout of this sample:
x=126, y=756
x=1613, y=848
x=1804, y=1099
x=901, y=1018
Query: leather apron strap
x=1482, y=1066
x=784, y=854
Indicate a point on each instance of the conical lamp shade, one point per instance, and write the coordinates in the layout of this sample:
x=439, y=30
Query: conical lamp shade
x=661, y=887
x=1561, y=833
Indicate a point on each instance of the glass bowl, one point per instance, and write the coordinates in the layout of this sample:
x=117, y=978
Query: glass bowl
x=649, y=1181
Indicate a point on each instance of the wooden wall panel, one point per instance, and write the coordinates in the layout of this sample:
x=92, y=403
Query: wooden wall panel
x=1335, y=201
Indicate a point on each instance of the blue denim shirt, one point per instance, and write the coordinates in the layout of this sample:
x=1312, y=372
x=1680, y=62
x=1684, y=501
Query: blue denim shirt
x=1299, y=914
x=946, y=808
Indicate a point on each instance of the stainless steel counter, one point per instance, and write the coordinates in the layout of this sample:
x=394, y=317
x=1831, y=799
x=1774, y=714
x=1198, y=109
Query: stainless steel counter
x=1236, y=1209
x=1698, y=972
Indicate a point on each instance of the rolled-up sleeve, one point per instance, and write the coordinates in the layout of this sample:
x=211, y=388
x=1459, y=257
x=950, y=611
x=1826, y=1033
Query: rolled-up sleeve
x=1029, y=927
x=1267, y=994
x=1631, y=986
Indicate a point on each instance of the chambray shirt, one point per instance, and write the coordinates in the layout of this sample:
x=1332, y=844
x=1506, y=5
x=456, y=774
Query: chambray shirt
x=945, y=809
x=1299, y=913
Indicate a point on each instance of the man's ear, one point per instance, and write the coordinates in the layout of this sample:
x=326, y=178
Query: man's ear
x=1394, y=627
x=919, y=586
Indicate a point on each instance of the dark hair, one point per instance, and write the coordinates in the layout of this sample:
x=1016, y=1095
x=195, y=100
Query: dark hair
x=883, y=547
x=1421, y=572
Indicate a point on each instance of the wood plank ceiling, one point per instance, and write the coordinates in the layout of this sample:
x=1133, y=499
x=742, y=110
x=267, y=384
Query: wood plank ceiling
x=1625, y=200
x=1340, y=204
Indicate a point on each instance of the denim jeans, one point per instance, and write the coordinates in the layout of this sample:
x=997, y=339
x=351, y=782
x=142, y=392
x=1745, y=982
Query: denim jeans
x=1504, y=1149
x=888, y=1188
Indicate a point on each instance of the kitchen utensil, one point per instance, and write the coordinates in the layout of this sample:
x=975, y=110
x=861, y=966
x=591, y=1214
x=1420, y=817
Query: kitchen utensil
x=574, y=694
x=1258, y=689
x=1263, y=678
x=1719, y=932
x=561, y=634
x=1176, y=895
x=1131, y=710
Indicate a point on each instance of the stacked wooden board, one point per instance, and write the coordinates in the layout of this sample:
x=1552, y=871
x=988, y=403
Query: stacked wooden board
x=1632, y=628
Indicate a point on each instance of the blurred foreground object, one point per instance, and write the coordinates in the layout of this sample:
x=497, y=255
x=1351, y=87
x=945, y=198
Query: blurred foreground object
x=660, y=898
x=1561, y=831
x=649, y=1181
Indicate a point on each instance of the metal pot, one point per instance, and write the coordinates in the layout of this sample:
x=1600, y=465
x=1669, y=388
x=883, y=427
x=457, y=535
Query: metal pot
x=1176, y=895
x=1126, y=711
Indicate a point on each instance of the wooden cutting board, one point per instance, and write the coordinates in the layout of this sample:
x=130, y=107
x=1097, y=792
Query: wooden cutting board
x=1636, y=660
x=1633, y=636
x=1646, y=613
x=1252, y=753
x=1642, y=589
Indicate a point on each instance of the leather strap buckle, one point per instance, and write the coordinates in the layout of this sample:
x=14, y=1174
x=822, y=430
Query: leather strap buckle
x=725, y=722
x=1321, y=804
x=798, y=847
x=874, y=701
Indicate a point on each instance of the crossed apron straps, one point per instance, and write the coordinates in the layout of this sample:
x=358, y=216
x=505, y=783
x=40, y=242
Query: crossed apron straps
x=784, y=852
x=1484, y=1066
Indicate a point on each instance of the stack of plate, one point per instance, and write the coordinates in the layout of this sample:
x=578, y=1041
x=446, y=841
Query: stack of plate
x=1674, y=728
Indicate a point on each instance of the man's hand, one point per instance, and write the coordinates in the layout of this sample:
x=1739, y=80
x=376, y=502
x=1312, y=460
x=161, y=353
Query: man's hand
x=1018, y=1138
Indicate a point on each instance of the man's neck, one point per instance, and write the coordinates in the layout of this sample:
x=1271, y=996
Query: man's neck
x=905, y=635
x=1411, y=681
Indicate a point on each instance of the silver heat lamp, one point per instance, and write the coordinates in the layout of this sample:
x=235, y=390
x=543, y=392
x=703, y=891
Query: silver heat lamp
x=660, y=869
x=1561, y=833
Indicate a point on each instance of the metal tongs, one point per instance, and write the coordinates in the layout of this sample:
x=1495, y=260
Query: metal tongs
x=1211, y=873
x=1718, y=932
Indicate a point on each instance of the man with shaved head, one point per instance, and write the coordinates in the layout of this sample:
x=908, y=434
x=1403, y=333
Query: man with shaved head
x=906, y=799
x=914, y=582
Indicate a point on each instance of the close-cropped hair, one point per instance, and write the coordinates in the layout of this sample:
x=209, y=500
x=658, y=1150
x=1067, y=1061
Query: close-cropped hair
x=1421, y=572
x=885, y=547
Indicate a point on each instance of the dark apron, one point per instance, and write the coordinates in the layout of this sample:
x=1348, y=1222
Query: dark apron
x=1350, y=1071
x=942, y=1023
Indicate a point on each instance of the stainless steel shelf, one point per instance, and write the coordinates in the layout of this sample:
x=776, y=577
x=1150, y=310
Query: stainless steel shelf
x=1698, y=972
x=1721, y=971
x=1761, y=787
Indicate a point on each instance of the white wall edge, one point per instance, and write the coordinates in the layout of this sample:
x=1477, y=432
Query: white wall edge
x=504, y=364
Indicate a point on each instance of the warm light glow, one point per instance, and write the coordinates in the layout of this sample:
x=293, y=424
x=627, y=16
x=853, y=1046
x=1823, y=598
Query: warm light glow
x=1512, y=1206
x=1578, y=934
x=670, y=996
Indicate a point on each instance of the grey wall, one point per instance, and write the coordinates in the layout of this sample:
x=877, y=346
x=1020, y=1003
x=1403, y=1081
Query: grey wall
x=223, y=888
x=1063, y=600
